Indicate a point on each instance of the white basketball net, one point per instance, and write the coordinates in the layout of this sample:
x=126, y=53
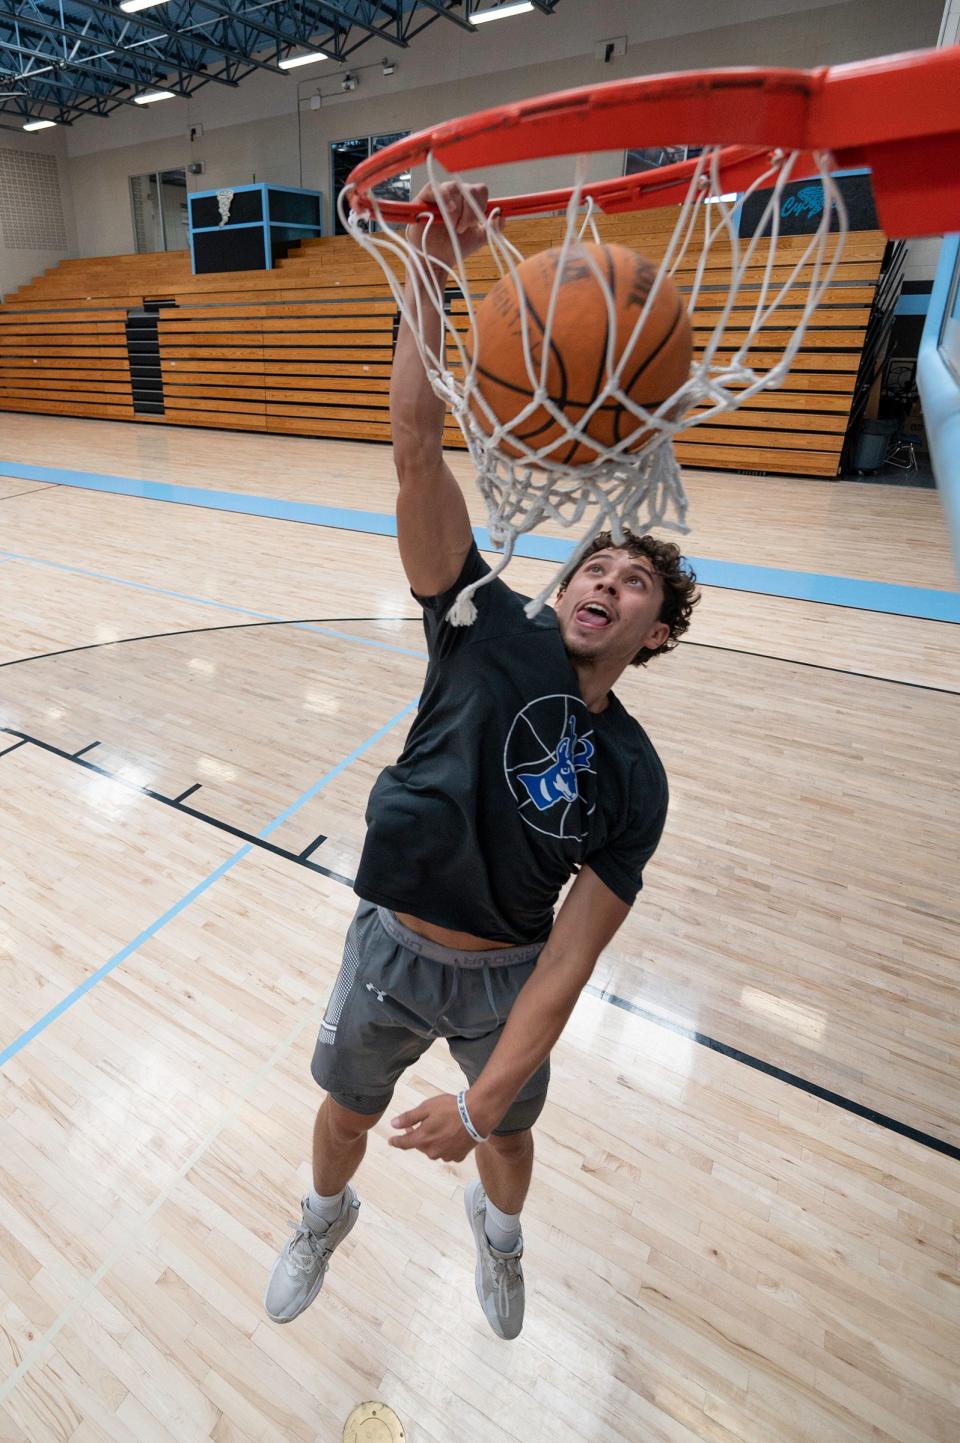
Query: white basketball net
x=631, y=485
x=224, y=202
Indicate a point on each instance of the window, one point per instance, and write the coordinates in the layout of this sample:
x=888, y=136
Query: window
x=654, y=157
x=345, y=154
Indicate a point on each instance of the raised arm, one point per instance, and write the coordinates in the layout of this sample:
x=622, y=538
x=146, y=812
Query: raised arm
x=433, y=528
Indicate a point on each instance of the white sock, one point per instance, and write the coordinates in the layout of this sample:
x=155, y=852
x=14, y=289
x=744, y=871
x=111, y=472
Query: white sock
x=502, y=1229
x=327, y=1208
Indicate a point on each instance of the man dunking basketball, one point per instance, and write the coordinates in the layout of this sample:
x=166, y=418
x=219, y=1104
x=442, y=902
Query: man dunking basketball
x=520, y=770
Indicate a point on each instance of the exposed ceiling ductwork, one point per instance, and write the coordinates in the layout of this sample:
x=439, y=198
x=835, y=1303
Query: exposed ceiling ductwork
x=64, y=59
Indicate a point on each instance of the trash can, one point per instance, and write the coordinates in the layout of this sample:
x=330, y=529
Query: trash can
x=873, y=443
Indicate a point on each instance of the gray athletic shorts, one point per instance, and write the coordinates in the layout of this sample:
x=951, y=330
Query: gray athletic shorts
x=397, y=992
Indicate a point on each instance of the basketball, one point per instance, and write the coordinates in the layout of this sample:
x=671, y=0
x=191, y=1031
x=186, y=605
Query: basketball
x=654, y=366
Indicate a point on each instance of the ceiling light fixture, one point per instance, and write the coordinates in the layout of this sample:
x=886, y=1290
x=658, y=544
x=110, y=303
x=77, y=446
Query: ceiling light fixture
x=515, y=7
x=293, y=61
x=149, y=96
x=39, y=124
x=130, y=7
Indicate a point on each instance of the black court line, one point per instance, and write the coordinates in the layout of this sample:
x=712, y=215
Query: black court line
x=198, y=631
x=7, y=750
x=736, y=1054
x=417, y=620
x=881, y=1119
x=188, y=793
x=177, y=806
x=820, y=666
x=317, y=841
x=83, y=750
x=50, y=486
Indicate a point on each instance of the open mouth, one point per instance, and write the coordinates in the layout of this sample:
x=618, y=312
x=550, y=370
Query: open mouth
x=593, y=614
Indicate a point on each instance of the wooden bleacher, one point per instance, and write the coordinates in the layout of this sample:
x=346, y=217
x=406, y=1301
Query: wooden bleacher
x=306, y=349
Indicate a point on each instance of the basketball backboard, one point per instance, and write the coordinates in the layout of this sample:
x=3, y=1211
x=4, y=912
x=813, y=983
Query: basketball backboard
x=938, y=378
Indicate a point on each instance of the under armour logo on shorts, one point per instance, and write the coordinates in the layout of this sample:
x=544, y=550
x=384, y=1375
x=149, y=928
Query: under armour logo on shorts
x=371, y=988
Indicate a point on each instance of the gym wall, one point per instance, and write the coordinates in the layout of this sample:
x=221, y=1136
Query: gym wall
x=37, y=226
x=254, y=129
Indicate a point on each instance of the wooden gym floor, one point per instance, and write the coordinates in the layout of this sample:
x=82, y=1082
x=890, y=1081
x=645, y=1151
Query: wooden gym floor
x=743, y=1226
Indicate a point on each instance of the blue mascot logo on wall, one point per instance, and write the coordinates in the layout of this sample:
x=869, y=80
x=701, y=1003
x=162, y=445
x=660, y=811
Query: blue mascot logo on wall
x=548, y=765
x=808, y=202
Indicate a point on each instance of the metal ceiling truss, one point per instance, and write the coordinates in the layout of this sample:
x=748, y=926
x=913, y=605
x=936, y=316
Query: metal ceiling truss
x=64, y=59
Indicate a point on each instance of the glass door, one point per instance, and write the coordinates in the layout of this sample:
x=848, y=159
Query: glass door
x=159, y=202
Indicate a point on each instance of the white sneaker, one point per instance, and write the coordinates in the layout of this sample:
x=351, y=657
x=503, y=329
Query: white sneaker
x=299, y=1271
x=499, y=1276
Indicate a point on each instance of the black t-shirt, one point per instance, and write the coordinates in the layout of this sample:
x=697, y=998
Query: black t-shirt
x=507, y=783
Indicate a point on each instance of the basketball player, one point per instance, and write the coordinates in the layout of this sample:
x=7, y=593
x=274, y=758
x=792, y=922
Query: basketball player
x=520, y=770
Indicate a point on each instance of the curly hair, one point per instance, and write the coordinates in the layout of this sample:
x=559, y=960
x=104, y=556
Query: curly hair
x=677, y=577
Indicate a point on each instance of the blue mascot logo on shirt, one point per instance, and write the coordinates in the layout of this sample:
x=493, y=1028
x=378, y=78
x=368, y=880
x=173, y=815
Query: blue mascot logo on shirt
x=548, y=762
x=558, y=782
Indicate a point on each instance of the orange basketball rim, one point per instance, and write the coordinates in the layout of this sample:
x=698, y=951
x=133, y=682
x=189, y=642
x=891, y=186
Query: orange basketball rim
x=899, y=115
x=606, y=460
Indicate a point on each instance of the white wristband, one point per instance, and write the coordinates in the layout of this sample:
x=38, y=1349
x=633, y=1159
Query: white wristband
x=465, y=1117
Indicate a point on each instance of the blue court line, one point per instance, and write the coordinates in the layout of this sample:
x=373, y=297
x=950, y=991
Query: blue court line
x=135, y=585
x=206, y=601
x=274, y=509
x=924, y=603
x=927, y=604
x=73, y=997
x=334, y=772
